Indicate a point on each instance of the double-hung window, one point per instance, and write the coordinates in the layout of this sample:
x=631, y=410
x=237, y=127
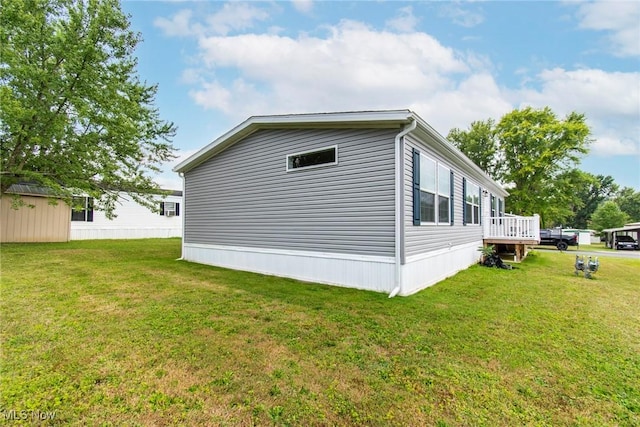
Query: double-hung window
x=494, y=206
x=432, y=191
x=428, y=188
x=444, y=194
x=82, y=209
x=472, y=203
x=497, y=206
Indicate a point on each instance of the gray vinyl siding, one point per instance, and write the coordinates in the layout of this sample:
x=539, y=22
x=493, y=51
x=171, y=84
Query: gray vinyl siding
x=426, y=238
x=245, y=197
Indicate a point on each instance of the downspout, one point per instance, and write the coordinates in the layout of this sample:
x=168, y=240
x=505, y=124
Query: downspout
x=184, y=206
x=399, y=156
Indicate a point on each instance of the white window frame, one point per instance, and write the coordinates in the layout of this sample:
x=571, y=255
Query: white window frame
x=446, y=195
x=476, y=194
x=436, y=192
x=87, y=206
x=423, y=189
x=322, y=165
x=493, y=206
x=170, y=211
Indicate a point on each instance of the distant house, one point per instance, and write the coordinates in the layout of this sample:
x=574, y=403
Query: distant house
x=133, y=221
x=370, y=200
x=40, y=221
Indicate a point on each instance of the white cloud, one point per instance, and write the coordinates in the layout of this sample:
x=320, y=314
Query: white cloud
x=610, y=101
x=235, y=16
x=612, y=145
x=214, y=96
x=478, y=97
x=354, y=67
x=232, y=16
x=612, y=94
x=404, y=22
x=304, y=6
x=191, y=76
x=179, y=25
x=620, y=18
x=461, y=16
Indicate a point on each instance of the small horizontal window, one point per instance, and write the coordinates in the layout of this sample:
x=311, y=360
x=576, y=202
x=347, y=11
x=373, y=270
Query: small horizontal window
x=323, y=157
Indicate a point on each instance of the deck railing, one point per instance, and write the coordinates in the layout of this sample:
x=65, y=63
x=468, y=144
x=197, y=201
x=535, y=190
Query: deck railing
x=512, y=228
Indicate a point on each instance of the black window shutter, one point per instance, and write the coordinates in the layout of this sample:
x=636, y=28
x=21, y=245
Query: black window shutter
x=89, y=209
x=161, y=208
x=451, y=202
x=480, y=206
x=464, y=201
x=416, y=187
x=177, y=209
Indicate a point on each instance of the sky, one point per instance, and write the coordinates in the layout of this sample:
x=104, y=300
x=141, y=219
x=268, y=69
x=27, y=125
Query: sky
x=218, y=63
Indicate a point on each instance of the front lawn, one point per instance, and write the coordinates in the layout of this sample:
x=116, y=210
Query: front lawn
x=118, y=332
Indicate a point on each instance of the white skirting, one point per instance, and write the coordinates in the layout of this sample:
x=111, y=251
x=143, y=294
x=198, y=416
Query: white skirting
x=374, y=273
x=123, y=233
x=424, y=270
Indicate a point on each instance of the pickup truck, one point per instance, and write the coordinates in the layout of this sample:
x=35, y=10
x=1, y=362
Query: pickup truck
x=558, y=239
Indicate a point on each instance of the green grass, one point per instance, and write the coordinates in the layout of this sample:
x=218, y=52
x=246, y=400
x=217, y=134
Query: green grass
x=595, y=247
x=118, y=332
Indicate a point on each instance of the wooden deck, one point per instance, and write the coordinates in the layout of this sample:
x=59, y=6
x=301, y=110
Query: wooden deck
x=512, y=234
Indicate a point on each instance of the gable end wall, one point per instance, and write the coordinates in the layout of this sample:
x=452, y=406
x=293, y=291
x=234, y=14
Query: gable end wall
x=244, y=197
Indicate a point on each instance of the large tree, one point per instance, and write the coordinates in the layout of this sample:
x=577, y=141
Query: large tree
x=608, y=215
x=480, y=144
x=589, y=192
x=629, y=201
x=534, y=150
x=74, y=115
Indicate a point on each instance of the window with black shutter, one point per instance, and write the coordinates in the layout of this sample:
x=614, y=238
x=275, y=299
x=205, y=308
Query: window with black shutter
x=170, y=208
x=432, y=191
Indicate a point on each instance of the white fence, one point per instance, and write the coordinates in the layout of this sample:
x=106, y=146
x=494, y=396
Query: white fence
x=512, y=228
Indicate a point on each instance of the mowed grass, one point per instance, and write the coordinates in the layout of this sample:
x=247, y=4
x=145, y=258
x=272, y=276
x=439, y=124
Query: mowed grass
x=120, y=333
x=595, y=247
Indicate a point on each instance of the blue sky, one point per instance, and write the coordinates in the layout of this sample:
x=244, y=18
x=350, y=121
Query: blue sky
x=217, y=63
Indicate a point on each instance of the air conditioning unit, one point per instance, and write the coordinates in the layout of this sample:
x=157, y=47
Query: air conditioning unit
x=170, y=213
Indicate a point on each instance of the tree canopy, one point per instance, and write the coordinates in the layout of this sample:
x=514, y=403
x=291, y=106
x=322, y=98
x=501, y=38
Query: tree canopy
x=480, y=144
x=588, y=191
x=629, y=201
x=534, y=152
x=74, y=115
x=608, y=215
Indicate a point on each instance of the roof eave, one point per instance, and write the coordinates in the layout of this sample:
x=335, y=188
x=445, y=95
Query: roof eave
x=255, y=123
x=461, y=158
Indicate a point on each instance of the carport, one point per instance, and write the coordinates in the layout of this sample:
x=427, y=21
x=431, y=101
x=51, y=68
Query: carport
x=611, y=234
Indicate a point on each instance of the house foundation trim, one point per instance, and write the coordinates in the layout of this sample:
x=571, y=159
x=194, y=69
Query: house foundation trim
x=424, y=270
x=374, y=273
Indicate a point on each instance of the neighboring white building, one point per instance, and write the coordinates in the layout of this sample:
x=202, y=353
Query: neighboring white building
x=584, y=236
x=133, y=221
